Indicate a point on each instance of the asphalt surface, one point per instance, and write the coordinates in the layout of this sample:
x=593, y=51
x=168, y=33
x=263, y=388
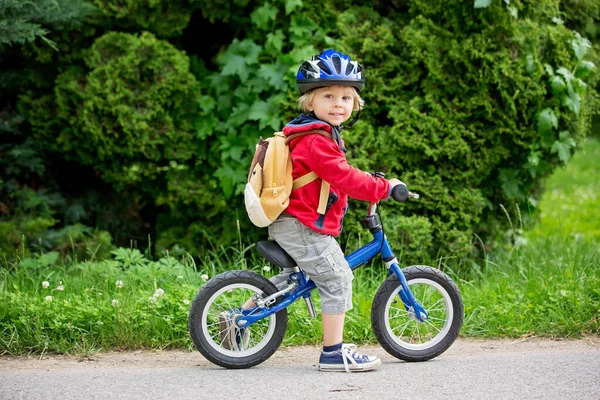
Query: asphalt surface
x=518, y=369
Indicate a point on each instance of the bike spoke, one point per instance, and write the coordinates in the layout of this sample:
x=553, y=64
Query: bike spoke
x=212, y=324
x=399, y=313
x=436, y=303
x=429, y=309
x=431, y=292
x=435, y=319
x=403, y=328
x=433, y=326
x=418, y=333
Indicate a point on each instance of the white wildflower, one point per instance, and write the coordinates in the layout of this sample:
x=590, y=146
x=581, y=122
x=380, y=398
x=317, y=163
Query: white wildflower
x=266, y=268
x=159, y=292
x=186, y=301
x=119, y=284
x=48, y=298
x=180, y=277
x=115, y=302
x=60, y=287
x=45, y=284
x=152, y=299
x=204, y=277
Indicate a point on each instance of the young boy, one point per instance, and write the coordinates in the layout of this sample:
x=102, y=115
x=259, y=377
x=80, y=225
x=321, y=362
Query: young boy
x=329, y=83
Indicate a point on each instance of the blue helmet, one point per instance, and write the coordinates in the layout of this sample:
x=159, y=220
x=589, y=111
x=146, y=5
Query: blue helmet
x=330, y=68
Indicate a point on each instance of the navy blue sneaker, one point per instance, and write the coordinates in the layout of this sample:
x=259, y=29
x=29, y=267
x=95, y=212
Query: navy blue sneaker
x=347, y=359
x=232, y=337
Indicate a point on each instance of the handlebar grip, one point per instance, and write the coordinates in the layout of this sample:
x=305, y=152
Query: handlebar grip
x=400, y=192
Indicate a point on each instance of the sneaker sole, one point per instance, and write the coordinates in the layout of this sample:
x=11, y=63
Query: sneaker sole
x=353, y=368
x=224, y=329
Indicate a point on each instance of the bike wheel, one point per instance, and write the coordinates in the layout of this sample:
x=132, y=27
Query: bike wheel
x=400, y=333
x=226, y=291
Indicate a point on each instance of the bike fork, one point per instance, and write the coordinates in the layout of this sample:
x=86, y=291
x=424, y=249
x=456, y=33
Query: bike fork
x=409, y=300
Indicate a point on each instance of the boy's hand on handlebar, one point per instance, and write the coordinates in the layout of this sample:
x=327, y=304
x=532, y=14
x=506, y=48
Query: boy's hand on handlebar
x=393, y=182
x=399, y=191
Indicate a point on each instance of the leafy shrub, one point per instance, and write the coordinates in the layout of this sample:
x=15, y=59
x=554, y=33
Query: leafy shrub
x=473, y=107
x=30, y=220
x=126, y=114
x=162, y=17
x=23, y=22
x=461, y=105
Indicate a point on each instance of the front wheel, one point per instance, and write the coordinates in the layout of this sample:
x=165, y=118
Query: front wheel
x=398, y=330
x=212, y=321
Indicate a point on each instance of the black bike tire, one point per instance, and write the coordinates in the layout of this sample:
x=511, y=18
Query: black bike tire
x=200, y=302
x=390, y=288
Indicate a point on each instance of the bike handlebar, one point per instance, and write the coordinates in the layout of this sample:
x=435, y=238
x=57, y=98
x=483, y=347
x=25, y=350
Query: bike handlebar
x=400, y=193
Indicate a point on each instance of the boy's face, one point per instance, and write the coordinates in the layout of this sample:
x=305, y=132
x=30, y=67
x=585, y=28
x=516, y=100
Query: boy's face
x=333, y=104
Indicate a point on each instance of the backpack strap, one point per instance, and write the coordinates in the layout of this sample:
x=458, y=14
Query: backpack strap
x=296, y=135
x=312, y=175
x=323, y=197
x=304, y=180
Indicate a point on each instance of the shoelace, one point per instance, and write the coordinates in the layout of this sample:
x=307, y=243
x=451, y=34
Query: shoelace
x=349, y=353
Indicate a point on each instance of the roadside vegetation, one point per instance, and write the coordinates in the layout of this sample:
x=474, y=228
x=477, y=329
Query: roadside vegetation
x=545, y=281
x=548, y=281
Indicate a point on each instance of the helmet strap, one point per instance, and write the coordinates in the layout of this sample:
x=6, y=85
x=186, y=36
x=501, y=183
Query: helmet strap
x=350, y=124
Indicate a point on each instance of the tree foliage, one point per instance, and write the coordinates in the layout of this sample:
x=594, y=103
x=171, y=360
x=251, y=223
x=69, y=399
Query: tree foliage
x=466, y=112
x=127, y=111
x=162, y=17
x=473, y=104
x=24, y=21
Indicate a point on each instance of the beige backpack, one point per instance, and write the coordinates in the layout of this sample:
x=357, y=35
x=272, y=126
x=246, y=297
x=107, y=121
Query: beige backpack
x=270, y=180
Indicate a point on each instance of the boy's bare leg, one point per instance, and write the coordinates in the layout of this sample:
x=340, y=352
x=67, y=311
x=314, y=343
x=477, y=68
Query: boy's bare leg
x=333, y=328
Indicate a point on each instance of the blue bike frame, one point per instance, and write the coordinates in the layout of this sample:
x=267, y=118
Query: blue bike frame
x=363, y=255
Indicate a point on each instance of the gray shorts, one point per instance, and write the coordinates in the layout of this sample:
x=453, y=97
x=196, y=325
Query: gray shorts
x=320, y=257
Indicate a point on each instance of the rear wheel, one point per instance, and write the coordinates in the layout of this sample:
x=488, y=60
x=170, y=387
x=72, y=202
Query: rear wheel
x=398, y=330
x=223, y=296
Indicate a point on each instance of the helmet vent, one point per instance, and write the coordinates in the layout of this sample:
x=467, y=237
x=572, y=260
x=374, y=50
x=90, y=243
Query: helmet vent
x=349, y=68
x=337, y=64
x=324, y=67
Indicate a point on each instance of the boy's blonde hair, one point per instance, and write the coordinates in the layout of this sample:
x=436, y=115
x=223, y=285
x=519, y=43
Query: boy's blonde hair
x=307, y=98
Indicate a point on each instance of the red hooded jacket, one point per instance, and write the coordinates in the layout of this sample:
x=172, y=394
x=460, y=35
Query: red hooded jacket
x=324, y=156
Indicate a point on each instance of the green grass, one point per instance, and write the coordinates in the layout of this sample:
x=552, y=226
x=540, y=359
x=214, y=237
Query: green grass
x=85, y=307
x=548, y=285
x=547, y=288
x=571, y=204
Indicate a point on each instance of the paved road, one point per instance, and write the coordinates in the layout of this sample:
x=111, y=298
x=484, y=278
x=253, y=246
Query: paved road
x=521, y=369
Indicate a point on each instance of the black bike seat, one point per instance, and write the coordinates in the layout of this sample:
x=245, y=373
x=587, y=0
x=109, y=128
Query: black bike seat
x=275, y=254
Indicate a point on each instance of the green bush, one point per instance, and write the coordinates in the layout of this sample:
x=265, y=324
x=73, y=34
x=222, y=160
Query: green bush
x=471, y=107
x=164, y=18
x=126, y=113
x=99, y=126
